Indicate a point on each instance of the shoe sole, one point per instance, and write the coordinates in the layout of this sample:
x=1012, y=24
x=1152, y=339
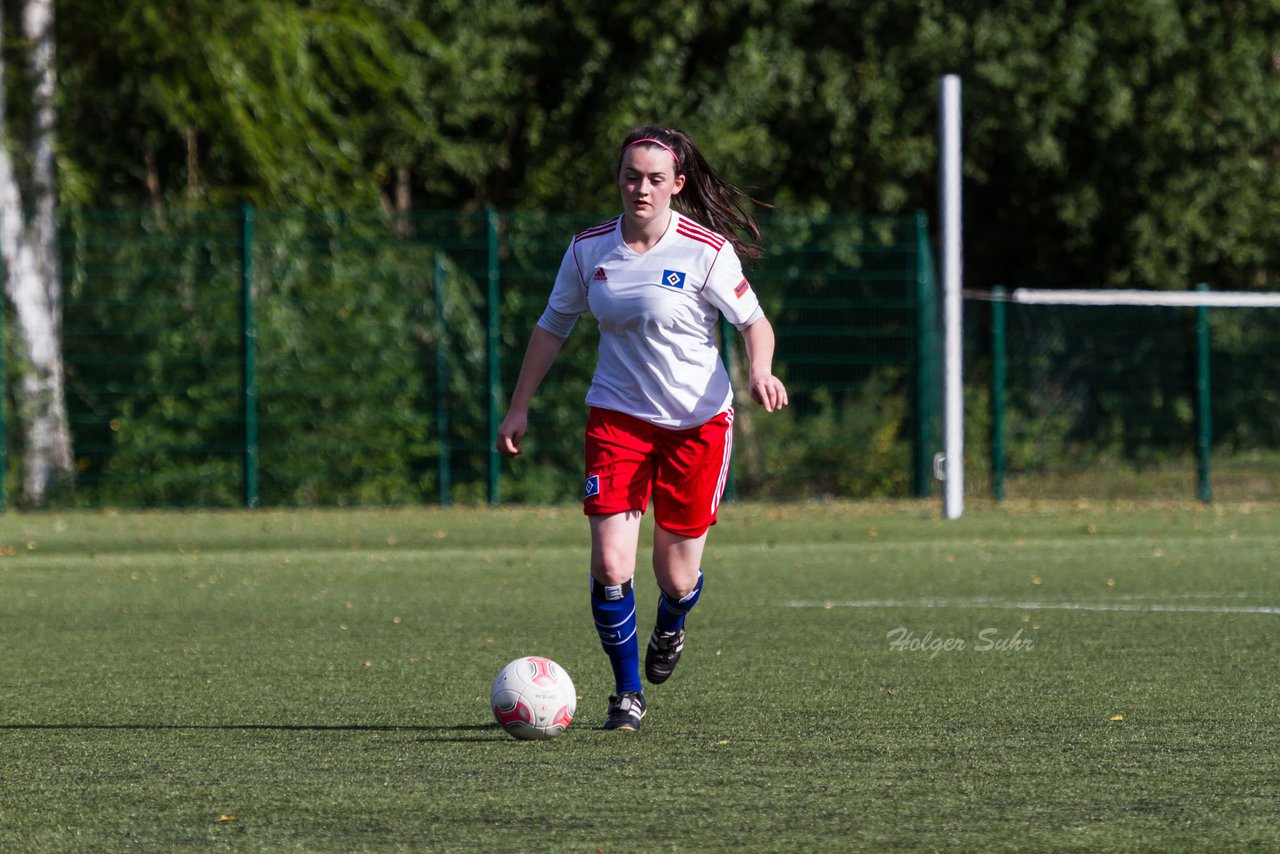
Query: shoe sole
x=626, y=727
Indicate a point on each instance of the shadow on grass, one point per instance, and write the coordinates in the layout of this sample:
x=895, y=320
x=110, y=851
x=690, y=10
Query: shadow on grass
x=430, y=733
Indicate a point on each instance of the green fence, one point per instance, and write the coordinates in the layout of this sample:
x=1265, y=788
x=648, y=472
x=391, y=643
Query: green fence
x=247, y=358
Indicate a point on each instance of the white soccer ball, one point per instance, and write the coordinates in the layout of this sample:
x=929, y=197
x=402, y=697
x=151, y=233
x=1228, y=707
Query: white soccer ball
x=533, y=697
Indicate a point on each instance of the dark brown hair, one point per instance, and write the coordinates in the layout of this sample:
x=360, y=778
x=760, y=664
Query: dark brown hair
x=706, y=197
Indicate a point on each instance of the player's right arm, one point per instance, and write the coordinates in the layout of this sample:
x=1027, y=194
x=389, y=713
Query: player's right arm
x=538, y=358
x=568, y=300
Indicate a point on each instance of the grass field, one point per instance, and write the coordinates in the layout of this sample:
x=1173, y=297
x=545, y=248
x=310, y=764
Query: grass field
x=857, y=677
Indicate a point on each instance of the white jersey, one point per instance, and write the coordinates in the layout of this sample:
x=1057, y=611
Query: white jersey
x=657, y=314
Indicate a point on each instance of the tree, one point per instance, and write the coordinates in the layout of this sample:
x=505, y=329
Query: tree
x=29, y=248
x=223, y=101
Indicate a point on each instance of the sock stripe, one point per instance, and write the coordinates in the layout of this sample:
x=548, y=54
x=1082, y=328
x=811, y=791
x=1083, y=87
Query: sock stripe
x=683, y=605
x=606, y=626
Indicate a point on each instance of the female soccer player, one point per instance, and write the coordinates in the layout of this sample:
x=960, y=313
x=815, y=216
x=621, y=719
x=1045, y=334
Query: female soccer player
x=660, y=423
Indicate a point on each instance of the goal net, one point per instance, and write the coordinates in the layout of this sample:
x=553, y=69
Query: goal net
x=1123, y=394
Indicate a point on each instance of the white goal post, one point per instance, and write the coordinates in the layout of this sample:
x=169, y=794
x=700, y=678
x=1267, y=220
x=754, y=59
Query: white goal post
x=949, y=464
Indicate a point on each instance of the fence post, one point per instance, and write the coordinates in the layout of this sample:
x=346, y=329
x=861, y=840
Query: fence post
x=249, y=358
x=442, y=385
x=4, y=390
x=492, y=310
x=923, y=379
x=998, y=369
x=1204, y=398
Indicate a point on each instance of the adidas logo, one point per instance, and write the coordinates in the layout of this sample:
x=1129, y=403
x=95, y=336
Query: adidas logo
x=599, y=276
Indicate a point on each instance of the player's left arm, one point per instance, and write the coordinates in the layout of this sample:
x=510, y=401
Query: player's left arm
x=767, y=389
x=729, y=291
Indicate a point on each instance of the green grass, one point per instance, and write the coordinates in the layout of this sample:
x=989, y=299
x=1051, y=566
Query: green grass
x=318, y=681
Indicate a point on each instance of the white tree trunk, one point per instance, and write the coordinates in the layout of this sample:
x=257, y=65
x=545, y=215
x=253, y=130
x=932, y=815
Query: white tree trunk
x=33, y=279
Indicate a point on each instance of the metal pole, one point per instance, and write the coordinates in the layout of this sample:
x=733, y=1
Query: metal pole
x=249, y=358
x=998, y=368
x=491, y=354
x=1204, y=405
x=952, y=279
x=442, y=386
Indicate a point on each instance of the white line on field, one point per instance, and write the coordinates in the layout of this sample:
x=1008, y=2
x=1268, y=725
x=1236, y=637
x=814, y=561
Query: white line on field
x=983, y=602
x=1146, y=597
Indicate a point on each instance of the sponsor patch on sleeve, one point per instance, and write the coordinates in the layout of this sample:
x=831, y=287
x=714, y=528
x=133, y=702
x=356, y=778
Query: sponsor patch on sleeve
x=741, y=289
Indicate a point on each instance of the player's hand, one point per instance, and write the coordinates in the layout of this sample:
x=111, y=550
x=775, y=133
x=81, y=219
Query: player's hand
x=511, y=432
x=769, y=392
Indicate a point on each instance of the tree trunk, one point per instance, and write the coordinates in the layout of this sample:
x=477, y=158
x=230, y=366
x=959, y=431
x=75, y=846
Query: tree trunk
x=153, y=178
x=193, y=163
x=33, y=277
x=404, y=201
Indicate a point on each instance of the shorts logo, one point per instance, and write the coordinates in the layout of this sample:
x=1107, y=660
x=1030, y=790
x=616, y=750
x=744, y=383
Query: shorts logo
x=673, y=279
x=741, y=289
x=592, y=487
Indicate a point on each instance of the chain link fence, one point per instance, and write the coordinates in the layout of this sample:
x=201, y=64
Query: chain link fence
x=262, y=358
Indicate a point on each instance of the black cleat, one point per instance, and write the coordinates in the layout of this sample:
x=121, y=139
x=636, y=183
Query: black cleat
x=663, y=654
x=625, y=711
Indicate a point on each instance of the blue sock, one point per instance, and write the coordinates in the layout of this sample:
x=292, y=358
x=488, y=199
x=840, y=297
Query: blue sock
x=671, y=612
x=614, y=608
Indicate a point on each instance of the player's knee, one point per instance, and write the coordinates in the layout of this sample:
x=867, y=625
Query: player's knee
x=613, y=566
x=677, y=589
x=676, y=579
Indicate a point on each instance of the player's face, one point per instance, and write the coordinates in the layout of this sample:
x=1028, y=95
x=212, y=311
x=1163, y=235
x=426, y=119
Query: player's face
x=648, y=180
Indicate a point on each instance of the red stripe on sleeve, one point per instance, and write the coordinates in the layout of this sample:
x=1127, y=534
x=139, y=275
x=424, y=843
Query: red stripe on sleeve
x=714, y=244
x=595, y=230
x=689, y=229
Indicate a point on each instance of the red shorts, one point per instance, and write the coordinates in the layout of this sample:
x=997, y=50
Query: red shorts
x=685, y=470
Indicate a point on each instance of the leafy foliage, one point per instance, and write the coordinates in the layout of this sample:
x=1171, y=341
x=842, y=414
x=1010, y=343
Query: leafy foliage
x=1106, y=144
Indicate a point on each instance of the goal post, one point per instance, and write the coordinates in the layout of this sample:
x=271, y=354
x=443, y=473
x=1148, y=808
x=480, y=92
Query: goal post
x=1191, y=373
x=951, y=460
x=1180, y=394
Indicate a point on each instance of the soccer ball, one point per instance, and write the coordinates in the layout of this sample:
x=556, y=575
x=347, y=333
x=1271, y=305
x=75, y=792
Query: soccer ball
x=532, y=697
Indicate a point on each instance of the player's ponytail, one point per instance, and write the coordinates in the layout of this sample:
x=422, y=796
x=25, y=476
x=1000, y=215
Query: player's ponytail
x=706, y=197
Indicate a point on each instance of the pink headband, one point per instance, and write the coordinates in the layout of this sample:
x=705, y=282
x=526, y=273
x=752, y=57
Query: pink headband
x=660, y=145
